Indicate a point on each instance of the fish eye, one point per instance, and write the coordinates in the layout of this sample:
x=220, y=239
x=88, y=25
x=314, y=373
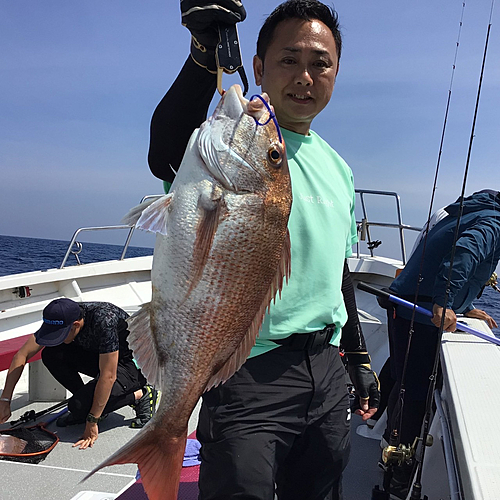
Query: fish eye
x=275, y=155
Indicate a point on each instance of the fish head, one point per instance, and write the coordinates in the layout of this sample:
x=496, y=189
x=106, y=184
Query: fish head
x=241, y=144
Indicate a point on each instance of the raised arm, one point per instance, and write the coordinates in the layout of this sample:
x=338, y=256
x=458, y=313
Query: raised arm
x=184, y=107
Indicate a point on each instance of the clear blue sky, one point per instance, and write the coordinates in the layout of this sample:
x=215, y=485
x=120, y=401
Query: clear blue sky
x=80, y=80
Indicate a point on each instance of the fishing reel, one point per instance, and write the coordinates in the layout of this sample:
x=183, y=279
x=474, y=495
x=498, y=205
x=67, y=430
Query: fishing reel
x=31, y=415
x=397, y=455
x=493, y=282
x=25, y=417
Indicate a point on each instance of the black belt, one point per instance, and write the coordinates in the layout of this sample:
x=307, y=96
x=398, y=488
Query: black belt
x=308, y=341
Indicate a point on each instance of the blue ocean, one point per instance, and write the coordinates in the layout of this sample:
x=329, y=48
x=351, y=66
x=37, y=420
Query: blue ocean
x=21, y=255
x=490, y=302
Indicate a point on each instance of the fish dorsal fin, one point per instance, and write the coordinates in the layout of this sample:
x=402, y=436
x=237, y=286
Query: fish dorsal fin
x=140, y=341
x=151, y=215
x=234, y=363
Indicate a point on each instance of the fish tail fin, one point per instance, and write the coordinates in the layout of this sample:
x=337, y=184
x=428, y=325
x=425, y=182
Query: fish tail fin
x=150, y=215
x=159, y=461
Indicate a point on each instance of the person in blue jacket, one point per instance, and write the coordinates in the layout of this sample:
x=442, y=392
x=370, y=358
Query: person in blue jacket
x=476, y=257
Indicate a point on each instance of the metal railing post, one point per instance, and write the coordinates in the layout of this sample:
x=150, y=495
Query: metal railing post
x=366, y=223
x=102, y=228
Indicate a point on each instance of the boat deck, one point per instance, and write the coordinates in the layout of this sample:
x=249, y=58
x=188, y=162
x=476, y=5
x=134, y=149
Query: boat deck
x=59, y=476
x=127, y=285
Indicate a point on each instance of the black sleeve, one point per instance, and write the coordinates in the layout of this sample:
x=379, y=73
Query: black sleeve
x=352, y=340
x=183, y=108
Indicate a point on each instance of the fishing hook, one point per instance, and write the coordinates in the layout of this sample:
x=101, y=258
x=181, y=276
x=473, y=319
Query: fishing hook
x=272, y=116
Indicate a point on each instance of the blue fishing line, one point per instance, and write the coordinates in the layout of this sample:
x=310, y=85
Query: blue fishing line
x=272, y=116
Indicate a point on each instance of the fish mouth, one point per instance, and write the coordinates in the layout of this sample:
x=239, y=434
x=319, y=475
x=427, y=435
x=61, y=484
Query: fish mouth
x=211, y=144
x=233, y=103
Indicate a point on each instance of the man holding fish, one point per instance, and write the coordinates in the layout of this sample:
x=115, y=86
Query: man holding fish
x=280, y=424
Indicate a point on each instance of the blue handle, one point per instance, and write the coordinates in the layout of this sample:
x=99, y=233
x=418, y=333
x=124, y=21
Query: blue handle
x=410, y=305
x=425, y=312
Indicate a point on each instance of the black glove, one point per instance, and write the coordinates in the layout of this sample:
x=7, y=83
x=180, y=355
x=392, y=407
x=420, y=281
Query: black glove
x=366, y=383
x=201, y=18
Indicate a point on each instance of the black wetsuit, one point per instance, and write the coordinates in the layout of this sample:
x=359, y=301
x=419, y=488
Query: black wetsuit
x=184, y=108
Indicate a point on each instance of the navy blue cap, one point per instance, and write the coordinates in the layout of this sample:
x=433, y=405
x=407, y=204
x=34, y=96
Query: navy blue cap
x=58, y=318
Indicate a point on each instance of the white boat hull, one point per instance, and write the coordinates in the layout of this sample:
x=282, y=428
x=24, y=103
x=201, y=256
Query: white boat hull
x=469, y=364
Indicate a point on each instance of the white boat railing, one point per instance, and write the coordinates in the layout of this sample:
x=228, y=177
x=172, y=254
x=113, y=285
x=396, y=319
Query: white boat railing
x=363, y=228
x=364, y=224
x=79, y=245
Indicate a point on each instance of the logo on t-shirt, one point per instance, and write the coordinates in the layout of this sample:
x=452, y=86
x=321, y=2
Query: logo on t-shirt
x=316, y=200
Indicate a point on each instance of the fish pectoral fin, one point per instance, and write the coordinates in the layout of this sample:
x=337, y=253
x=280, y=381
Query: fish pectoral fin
x=141, y=342
x=210, y=209
x=234, y=363
x=205, y=233
x=151, y=215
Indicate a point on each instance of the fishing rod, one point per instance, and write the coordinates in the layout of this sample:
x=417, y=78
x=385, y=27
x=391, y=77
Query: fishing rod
x=422, y=310
x=396, y=421
x=31, y=415
x=417, y=485
x=396, y=453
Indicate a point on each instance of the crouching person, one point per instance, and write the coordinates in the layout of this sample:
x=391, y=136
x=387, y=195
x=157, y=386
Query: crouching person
x=88, y=338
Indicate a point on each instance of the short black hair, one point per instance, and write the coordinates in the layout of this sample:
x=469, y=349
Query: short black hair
x=308, y=10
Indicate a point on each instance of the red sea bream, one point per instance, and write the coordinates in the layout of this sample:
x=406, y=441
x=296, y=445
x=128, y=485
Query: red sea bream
x=221, y=255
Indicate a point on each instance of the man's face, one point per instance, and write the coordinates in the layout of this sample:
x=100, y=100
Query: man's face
x=299, y=72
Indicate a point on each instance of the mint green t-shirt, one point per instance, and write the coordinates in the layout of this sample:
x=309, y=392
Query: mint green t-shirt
x=322, y=229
